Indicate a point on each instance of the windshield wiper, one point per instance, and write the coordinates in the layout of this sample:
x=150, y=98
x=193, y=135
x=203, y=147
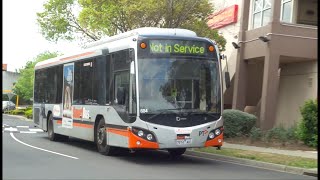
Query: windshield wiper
x=163, y=111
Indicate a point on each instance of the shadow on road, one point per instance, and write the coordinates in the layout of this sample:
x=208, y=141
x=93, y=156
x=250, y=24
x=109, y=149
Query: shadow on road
x=138, y=157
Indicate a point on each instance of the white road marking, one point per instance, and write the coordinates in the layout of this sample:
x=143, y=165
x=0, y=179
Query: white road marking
x=36, y=130
x=11, y=129
x=22, y=126
x=28, y=132
x=41, y=148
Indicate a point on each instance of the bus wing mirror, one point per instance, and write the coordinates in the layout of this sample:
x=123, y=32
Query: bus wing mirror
x=227, y=79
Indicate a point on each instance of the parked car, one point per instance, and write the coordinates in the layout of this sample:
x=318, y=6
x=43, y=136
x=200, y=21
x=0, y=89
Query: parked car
x=8, y=105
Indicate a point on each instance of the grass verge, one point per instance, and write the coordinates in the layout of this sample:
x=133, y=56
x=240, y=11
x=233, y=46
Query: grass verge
x=264, y=157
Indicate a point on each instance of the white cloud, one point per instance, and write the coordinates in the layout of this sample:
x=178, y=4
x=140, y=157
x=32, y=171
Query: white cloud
x=22, y=40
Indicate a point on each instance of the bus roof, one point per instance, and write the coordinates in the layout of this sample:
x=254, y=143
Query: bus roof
x=146, y=31
x=95, y=48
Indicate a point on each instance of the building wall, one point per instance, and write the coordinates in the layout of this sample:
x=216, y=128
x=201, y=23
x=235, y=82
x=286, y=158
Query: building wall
x=298, y=82
x=230, y=33
x=8, y=78
x=292, y=48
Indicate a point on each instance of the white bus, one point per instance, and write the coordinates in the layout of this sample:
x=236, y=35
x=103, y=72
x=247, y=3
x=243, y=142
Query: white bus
x=149, y=88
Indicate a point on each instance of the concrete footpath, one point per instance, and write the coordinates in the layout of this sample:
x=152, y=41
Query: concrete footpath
x=260, y=164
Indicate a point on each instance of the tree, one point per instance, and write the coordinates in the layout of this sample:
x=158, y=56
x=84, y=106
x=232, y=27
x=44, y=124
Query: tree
x=98, y=18
x=59, y=21
x=24, y=85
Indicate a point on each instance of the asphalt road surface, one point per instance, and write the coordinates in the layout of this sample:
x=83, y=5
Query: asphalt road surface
x=28, y=154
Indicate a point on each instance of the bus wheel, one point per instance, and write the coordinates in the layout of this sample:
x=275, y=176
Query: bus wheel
x=52, y=136
x=177, y=152
x=101, y=139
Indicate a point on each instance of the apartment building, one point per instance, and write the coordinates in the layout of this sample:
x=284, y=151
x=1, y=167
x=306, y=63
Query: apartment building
x=272, y=56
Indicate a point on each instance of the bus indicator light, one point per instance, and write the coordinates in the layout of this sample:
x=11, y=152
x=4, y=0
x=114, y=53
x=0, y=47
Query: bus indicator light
x=143, y=45
x=138, y=143
x=211, y=48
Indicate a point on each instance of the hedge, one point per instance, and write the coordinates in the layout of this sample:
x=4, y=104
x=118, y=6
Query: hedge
x=308, y=127
x=237, y=123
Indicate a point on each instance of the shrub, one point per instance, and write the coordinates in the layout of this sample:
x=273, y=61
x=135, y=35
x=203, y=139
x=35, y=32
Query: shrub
x=255, y=134
x=17, y=112
x=291, y=133
x=237, y=123
x=28, y=108
x=308, y=127
x=277, y=133
x=28, y=113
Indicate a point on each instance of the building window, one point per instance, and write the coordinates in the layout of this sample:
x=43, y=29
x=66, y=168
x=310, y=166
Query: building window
x=287, y=9
x=300, y=12
x=261, y=13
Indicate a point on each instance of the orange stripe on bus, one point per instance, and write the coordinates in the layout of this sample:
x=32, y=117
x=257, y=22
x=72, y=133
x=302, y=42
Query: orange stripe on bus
x=45, y=64
x=82, y=125
x=215, y=142
x=121, y=132
x=66, y=58
x=59, y=121
x=76, y=56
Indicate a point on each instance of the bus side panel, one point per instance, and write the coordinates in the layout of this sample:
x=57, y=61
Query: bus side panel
x=117, y=132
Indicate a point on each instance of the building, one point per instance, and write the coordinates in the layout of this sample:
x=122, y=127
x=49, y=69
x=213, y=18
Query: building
x=8, y=80
x=272, y=58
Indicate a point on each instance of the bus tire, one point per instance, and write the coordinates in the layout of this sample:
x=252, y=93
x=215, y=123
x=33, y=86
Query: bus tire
x=177, y=152
x=101, y=139
x=51, y=135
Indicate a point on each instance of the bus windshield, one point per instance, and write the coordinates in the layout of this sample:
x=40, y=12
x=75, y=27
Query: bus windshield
x=180, y=83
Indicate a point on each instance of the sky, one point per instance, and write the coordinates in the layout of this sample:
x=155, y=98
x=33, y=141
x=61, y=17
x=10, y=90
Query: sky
x=22, y=40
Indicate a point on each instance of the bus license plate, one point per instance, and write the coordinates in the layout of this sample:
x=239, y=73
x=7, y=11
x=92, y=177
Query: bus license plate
x=183, y=141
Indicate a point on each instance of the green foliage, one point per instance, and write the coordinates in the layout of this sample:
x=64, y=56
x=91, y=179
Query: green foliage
x=59, y=21
x=277, y=133
x=5, y=97
x=24, y=84
x=107, y=18
x=291, y=133
x=17, y=112
x=28, y=113
x=237, y=123
x=255, y=134
x=308, y=127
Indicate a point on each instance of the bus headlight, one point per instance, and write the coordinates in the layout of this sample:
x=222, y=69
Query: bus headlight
x=211, y=135
x=149, y=137
x=217, y=132
x=143, y=133
x=140, y=133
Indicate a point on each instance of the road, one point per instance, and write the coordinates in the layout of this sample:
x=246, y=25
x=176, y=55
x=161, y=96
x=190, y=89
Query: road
x=32, y=156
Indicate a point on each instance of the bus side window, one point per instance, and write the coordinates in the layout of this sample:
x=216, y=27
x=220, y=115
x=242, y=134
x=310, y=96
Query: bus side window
x=121, y=88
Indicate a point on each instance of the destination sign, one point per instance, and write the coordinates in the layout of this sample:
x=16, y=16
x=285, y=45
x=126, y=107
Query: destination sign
x=178, y=47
